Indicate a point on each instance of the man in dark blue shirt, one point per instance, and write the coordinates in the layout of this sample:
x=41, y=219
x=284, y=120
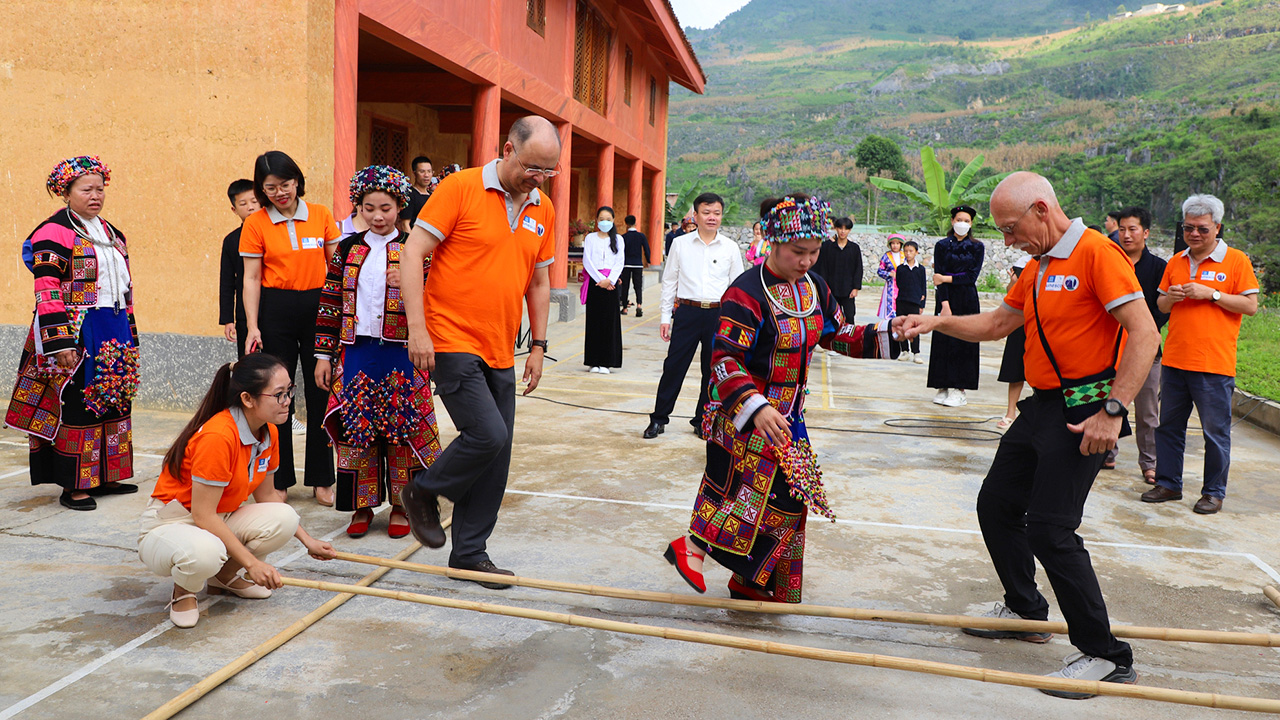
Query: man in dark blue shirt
x=635, y=256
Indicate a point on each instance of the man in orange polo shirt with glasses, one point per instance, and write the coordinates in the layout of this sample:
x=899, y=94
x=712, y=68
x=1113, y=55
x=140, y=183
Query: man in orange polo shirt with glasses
x=1206, y=290
x=490, y=235
x=1073, y=299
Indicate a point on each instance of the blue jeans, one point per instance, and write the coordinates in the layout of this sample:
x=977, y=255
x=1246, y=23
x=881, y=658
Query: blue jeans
x=1211, y=394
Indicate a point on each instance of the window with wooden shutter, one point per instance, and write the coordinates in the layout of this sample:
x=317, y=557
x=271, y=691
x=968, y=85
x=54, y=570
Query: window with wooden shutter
x=536, y=16
x=591, y=58
x=626, y=79
x=388, y=144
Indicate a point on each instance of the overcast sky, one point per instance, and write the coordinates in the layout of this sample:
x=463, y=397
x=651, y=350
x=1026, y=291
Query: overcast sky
x=704, y=13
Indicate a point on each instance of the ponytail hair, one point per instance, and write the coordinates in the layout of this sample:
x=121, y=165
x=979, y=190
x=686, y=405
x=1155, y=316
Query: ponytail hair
x=613, y=231
x=251, y=374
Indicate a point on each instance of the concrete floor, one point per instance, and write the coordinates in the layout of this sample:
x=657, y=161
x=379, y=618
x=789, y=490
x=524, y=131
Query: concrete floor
x=83, y=630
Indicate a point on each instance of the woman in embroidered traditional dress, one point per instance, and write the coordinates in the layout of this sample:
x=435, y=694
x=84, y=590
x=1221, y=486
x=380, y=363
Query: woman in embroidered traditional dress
x=380, y=417
x=888, y=271
x=761, y=476
x=602, y=261
x=79, y=370
x=957, y=262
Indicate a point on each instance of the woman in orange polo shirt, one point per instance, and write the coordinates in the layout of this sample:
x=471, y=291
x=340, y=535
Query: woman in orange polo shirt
x=286, y=247
x=197, y=528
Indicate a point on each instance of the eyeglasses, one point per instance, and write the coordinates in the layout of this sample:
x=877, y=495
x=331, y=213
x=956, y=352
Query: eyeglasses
x=286, y=186
x=283, y=397
x=1008, y=229
x=535, y=171
x=1199, y=230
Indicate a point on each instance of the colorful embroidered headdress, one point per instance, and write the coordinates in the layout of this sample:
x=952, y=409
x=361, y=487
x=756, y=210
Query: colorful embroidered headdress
x=895, y=236
x=67, y=171
x=449, y=170
x=380, y=178
x=793, y=219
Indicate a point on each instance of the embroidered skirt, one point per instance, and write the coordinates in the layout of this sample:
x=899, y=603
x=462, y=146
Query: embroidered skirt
x=382, y=422
x=79, y=425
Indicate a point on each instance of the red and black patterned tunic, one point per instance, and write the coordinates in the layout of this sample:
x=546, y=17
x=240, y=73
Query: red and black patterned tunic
x=750, y=510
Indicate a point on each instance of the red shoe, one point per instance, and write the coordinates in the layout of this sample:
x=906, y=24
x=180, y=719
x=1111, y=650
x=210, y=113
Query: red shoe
x=678, y=554
x=360, y=523
x=399, y=524
x=738, y=591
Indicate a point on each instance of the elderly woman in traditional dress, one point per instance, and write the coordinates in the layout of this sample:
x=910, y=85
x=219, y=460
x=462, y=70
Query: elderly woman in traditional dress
x=79, y=370
x=761, y=476
x=380, y=418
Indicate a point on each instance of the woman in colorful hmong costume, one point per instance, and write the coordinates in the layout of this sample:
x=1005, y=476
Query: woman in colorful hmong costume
x=761, y=475
x=888, y=271
x=79, y=370
x=380, y=416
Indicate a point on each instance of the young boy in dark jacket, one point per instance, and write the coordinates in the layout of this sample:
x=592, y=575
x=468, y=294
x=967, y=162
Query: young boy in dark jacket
x=911, y=295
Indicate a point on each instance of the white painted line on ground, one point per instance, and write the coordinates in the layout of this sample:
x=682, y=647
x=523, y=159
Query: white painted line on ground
x=89, y=667
x=899, y=526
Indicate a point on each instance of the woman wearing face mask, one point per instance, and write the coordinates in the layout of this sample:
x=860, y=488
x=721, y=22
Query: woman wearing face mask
x=602, y=259
x=380, y=418
x=957, y=262
x=79, y=369
x=286, y=246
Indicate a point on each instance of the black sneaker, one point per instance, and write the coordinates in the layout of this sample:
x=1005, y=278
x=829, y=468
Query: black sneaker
x=1086, y=667
x=484, y=566
x=1004, y=613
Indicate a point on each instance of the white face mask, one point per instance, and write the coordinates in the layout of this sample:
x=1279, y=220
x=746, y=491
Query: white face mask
x=605, y=225
x=961, y=228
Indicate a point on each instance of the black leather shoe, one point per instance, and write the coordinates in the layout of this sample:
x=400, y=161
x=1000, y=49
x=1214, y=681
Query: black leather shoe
x=484, y=566
x=639, y=312
x=82, y=504
x=654, y=430
x=1160, y=493
x=118, y=488
x=423, y=510
x=1207, y=505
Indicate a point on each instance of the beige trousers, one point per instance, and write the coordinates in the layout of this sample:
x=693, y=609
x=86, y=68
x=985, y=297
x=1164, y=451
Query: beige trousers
x=170, y=543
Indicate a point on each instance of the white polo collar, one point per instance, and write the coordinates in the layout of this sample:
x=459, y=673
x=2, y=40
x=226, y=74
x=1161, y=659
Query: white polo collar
x=1218, y=255
x=1067, y=243
x=277, y=218
x=489, y=176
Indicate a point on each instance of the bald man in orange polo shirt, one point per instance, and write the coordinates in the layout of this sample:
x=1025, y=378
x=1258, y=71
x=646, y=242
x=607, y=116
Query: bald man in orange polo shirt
x=490, y=233
x=1073, y=299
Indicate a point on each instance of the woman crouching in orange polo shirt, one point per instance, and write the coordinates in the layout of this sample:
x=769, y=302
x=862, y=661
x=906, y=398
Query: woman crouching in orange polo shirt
x=286, y=247
x=197, y=528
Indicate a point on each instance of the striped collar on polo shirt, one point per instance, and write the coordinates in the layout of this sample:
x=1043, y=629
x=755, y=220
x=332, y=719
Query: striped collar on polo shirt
x=277, y=217
x=1067, y=244
x=246, y=434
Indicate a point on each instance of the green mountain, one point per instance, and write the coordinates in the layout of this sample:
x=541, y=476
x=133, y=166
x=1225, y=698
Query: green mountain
x=1119, y=111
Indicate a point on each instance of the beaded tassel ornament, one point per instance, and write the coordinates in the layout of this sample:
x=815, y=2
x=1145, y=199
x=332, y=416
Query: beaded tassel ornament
x=385, y=408
x=117, y=381
x=804, y=477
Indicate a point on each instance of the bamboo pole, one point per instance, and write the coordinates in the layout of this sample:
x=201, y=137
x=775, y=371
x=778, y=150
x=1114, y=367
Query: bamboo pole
x=894, y=616
x=1272, y=594
x=231, y=669
x=1183, y=697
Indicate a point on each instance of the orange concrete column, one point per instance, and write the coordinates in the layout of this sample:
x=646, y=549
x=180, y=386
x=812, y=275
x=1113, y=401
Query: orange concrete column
x=657, y=214
x=560, y=201
x=486, y=116
x=346, y=51
x=604, y=176
x=635, y=192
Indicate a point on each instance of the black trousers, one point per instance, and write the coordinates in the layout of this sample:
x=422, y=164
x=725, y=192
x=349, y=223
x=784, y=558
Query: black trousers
x=690, y=327
x=287, y=319
x=628, y=275
x=848, y=307
x=914, y=343
x=472, y=471
x=1029, y=507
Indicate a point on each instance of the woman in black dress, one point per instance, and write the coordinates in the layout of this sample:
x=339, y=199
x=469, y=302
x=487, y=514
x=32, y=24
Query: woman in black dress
x=957, y=262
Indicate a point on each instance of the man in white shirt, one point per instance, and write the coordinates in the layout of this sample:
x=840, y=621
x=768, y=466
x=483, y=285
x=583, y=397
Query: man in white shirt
x=699, y=268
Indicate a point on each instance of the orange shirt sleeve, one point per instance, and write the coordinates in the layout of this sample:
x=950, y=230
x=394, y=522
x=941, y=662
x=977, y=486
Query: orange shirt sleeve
x=547, y=252
x=1016, y=298
x=1166, y=279
x=443, y=207
x=1246, y=280
x=251, y=242
x=211, y=455
x=331, y=234
x=1112, y=276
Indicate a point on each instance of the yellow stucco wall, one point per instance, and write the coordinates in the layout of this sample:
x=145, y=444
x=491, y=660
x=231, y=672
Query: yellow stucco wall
x=178, y=98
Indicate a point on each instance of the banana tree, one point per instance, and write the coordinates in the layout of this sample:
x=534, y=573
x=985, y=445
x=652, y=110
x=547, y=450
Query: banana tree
x=936, y=198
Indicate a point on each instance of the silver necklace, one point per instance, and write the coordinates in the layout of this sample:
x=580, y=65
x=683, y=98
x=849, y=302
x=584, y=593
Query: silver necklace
x=777, y=305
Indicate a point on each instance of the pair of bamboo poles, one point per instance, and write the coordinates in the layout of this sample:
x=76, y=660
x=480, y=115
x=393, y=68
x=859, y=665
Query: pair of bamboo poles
x=345, y=592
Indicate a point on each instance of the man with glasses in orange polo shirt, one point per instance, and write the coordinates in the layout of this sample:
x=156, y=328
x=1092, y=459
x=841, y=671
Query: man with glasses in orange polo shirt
x=1206, y=290
x=1073, y=300
x=490, y=234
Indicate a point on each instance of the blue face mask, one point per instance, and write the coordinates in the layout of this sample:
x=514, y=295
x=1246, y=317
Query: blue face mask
x=605, y=225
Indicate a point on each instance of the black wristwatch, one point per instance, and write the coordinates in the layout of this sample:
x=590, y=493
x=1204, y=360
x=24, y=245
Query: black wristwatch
x=538, y=343
x=1114, y=408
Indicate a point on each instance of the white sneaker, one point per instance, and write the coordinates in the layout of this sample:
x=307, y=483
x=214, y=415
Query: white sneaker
x=604, y=371
x=915, y=358
x=904, y=357
x=941, y=397
x=954, y=398
x=594, y=369
x=298, y=427
x=961, y=398
x=1086, y=667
